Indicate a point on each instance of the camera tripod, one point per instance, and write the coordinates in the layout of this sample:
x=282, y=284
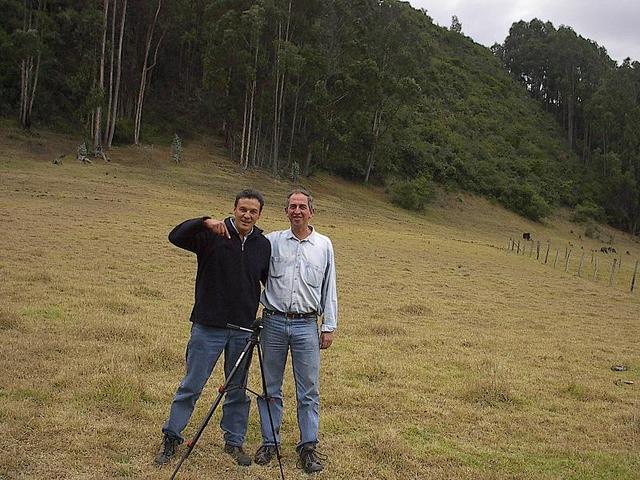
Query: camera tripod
x=252, y=342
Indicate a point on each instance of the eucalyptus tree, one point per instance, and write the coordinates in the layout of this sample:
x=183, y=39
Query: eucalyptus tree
x=29, y=44
x=146, y=71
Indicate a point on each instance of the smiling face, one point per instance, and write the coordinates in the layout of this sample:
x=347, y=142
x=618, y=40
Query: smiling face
x=299, y=212
x=246, y=213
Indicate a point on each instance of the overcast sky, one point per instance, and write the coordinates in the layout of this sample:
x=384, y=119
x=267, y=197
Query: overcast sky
x=614, y=24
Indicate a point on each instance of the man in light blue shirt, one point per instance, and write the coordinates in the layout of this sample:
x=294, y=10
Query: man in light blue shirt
x=301, y=287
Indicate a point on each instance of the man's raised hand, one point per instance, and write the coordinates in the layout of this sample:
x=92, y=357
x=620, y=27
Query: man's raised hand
x=217, y=226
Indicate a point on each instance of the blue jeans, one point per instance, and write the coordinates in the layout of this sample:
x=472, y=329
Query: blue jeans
x=203, y=350
x=279, y=334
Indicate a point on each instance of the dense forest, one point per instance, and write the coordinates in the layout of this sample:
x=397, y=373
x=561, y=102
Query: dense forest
x=368, y=89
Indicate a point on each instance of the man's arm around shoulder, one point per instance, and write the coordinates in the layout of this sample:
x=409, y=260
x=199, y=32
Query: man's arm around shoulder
x=187, y=235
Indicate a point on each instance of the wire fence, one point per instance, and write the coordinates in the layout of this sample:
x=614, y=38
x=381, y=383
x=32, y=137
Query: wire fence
x=604, y=265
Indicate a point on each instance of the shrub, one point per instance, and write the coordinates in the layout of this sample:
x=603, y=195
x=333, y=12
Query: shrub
x=592, y=231
x=525, y=200
x=412, y=194
x=587, y=210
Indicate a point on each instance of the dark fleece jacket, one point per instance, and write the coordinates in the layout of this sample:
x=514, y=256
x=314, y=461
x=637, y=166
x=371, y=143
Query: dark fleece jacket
x=229, y=273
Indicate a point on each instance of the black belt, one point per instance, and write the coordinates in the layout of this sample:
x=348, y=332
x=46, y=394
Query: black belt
x=291, y=314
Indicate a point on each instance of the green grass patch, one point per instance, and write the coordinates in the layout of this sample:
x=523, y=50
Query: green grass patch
x=143, y=291
x=46, y=313
x=40, y=397
x=121, y=393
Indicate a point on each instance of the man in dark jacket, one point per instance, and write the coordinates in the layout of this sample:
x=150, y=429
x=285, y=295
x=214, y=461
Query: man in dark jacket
x=230, y=270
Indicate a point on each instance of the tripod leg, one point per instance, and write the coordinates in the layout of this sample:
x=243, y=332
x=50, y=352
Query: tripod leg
x=248, y=351
x=267, y=399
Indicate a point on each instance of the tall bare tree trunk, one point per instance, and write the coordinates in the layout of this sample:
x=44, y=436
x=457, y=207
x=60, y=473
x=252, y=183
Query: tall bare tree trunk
x=105, y=135
x=97, y=130
x=375, y=130
x=251, y=105
x=255, y=143
x=293, y=122
x=279, y=93
x=114, y=114
x=251, y=116
x=29, y=78
x=244, y=125
x=143, y=77
x=276, y=98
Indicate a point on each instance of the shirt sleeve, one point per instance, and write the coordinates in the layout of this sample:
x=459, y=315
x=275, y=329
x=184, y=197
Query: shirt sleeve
x=329, y=294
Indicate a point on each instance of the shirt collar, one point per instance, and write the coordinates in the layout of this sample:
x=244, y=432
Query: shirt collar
x=311, y=238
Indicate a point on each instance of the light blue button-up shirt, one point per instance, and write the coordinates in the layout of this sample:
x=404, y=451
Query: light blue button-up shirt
x=302, y=277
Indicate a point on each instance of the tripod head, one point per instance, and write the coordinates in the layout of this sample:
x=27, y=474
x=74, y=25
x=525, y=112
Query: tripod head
x=255, y=328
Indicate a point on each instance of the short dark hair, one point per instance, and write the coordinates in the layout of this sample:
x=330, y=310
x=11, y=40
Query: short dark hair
x=250, y=193
x=303, y=192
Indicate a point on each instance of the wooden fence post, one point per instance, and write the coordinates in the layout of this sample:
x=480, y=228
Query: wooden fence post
x=547, y=254
x=531, y=251
x=581, y=260
x=566, y=264
x=518, y=252
x=613, y=271
x=595, y=271
x=556, y=260
x=538, y=250
x=633, y=279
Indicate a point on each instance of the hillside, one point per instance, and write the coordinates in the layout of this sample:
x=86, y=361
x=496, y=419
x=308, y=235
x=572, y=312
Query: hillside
x=454, y=357
x=370, y=90
x=478, y=130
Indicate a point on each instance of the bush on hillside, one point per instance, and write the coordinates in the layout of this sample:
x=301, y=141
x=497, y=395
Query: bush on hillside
x=587, y=211
x=525, y=200
x=592, y=231
x=412, y=194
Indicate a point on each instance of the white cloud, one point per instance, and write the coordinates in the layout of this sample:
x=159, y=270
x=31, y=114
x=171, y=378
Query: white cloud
x=612, y=24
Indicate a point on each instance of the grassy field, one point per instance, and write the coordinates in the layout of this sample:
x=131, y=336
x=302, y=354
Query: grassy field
x=454, y=359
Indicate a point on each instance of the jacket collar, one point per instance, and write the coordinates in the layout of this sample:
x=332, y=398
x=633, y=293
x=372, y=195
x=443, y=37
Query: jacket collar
x=231, y=227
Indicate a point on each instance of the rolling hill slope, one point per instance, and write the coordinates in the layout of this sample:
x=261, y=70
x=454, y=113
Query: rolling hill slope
x=454, y=358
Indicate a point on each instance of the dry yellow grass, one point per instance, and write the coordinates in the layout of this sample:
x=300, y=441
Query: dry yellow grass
x=455, y=359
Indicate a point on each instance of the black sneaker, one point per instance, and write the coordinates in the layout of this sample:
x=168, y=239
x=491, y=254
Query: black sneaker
x=310, y=459
x=167, y=450
x=265, y=454
x=238, y=455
